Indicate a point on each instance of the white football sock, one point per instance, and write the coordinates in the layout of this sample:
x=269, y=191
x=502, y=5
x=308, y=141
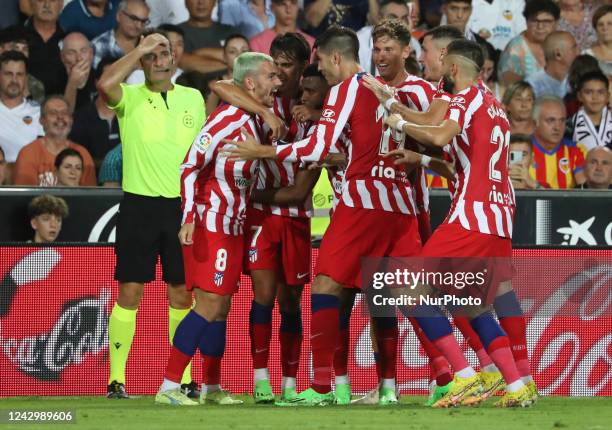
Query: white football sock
x=388, y=383
x=207, y=389
x=168, y=385
x=466, y=373
x=342, y=379
x=490, y=368
x=288, y=383
x=515, y=386
x=260, y=374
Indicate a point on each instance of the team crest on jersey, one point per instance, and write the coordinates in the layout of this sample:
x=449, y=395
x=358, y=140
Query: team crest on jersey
x=27, y=120
x=218, y=278
x=188, y=121
x=252, y=255
x=203, y=142
x=564, y=165
x=507, y=14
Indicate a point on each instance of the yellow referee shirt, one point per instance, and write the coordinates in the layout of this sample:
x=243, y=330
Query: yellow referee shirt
x=155, y=136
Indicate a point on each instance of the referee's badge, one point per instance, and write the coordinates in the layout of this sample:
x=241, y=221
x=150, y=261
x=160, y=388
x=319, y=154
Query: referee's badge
x=203, y=142
x=188, y=121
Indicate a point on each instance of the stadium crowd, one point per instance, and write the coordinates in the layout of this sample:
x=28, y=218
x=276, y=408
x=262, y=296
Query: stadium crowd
x=549, y=62
x=534, y=77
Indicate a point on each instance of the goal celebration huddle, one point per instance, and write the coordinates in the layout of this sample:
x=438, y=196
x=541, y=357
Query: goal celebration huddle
x=246, y=201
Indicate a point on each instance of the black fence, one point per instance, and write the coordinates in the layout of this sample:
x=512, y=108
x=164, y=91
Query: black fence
x=566, y=218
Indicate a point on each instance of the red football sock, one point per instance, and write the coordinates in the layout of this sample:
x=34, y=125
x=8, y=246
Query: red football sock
x=499, y=350
x=516, y=329
x=291, y=347
x=472, y=338
x=450, y=348
x=260, y=344
x=387, y=339
x=211, y=370
x=342, y=353
x=440, y=371
x=323, y=340
x=177, y=362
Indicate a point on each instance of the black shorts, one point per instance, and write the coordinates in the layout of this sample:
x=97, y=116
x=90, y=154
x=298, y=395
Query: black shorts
x=148, y=227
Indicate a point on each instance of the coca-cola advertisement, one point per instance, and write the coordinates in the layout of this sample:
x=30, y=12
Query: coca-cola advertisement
x=55, y=302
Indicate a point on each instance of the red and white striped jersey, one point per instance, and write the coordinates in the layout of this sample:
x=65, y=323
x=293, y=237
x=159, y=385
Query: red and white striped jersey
x=442, y=94
x=215, y=190
x=417, y=94
x=276, y=174
x=371, y=181
x=336, y=174
x=483, y=197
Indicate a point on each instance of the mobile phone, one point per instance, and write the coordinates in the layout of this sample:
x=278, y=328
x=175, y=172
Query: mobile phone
x=516, y=157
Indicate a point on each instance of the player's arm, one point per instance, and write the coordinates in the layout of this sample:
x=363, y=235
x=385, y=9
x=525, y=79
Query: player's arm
x=316, y=11
x=314, y=148
x=436, y=136
x=305, y=180
x=385, y=95
x=110, y=81
x=413, y=159
x=236, y=96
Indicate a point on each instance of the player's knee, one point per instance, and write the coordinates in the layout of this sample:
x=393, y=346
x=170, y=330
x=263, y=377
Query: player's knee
x=130, y=295
x=179, y=297
x=326, y=285
x=290, y=298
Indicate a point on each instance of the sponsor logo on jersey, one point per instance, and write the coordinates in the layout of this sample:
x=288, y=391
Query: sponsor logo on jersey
x=458, y=102
x=27, y=120
x=188, y=121
x=328, y=116
x=242, y=182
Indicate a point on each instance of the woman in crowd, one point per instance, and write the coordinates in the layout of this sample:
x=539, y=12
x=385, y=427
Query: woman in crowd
x=519, y=100
x=576, y=17
x=489, y=70
x=524, y=55
x=582, y=64
x=68, y=168
x=602, y=49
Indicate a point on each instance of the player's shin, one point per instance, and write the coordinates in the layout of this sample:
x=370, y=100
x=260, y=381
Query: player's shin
x=175, y=316
x=121, y=329
x=290, y=336
x=186, y=339
x=323, y=338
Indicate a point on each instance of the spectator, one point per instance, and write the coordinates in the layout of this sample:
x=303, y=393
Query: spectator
x=77, y=57
x=576, y=17
x=19, y=117
x=602, y=49
x=45, y=36
x=111, y=170
x=90, y=17
x=17, y=39
x=457, y=13
x=177, y=41
x=389, y=9
x=598, y=169
x=95, y=125
x=234, y=46
x=68, y=168
x=521, y=159
x=524, y=55
x=489, y=69
x=558, y=163
x=132, y=18
x=46, y=213
x=285, y=12
x=2, y=167
x=497, y=21
x=320, y=14
x=204, y=38
x=167, y=12
x=248, y=17
x=591, y=126
x=560, y=51
x=582, y=64
x=35, y=163
x=518, y=101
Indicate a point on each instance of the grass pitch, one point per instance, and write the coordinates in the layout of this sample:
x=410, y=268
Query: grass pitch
x=142, y=413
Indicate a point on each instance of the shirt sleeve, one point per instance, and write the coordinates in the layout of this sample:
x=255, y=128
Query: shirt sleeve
x=456, y=110
x=25, y=168
x=120, y=107
x=337, y=110
x=510, y=61
x=578, y=157
x=230, y=13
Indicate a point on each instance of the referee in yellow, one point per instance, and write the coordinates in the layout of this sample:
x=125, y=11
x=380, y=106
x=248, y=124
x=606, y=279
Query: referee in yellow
x=158, y=121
